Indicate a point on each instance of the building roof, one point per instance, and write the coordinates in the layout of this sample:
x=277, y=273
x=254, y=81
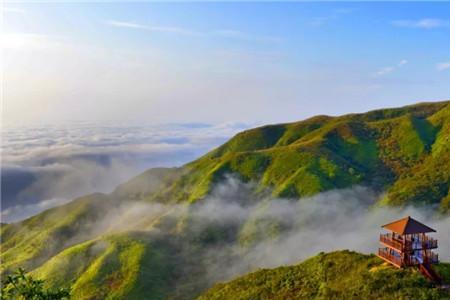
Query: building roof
x=408, y=226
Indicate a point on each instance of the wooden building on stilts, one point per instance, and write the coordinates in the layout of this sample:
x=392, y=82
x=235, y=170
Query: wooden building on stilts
x=408, y=245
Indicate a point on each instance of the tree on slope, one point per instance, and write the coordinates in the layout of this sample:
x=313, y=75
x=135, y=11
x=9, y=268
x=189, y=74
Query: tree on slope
x=20, y=286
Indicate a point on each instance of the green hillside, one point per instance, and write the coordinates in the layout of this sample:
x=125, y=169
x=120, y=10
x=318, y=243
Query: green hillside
x=102, y=250
x=336, y=275
x=128, y=266
x=404, y=151
x=31, y=242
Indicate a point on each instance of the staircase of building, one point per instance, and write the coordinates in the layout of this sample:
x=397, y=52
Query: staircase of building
x=429, y=273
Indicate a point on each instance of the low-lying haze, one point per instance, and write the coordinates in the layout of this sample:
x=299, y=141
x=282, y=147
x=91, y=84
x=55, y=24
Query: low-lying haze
x=45, y=166
x=280, y=231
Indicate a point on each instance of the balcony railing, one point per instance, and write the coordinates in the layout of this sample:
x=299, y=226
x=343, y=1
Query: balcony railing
x=426, y=243
x=392, y=241
x=430, y=257
x=433, y=258
x=410, y=260
x=407, y=242
x=384, y=252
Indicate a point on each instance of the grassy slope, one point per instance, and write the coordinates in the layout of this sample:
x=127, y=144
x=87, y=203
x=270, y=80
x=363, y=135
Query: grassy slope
x=33, y=241
x=336, y=275
x=404, y=150
x=121, y=266
x=130, y=265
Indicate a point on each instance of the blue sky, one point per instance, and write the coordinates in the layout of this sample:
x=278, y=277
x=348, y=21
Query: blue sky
x=220, y=62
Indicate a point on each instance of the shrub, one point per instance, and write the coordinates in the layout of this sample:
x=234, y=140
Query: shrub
x=25, y=287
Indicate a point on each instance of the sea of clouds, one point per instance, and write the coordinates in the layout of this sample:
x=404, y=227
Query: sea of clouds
x=47, y=166
x=44, y=166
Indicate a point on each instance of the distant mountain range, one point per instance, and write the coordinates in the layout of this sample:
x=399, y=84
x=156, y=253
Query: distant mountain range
x=143, y=242
x=404, y=151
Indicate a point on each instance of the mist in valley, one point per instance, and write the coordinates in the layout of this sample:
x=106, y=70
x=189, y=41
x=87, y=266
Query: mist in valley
x=235, y=231
x=45, y=166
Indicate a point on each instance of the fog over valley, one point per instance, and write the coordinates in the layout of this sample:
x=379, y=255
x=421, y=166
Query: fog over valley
x=225, y=150
x=44, y=166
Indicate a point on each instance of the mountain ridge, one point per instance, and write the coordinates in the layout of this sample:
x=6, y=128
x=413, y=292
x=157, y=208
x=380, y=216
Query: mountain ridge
x=334, y=152
x=403, y=151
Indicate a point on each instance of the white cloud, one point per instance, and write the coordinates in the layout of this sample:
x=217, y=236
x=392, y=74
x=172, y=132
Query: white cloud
x=167, y=29
x=390, y=69
x=443, y=66
x=225, y=33
x=125, y=24
x=20, y=212
x=63, y=162
x=422, y=23
x=385, y=71
x=402, y=62
x=335, y=14
x=236, y=34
